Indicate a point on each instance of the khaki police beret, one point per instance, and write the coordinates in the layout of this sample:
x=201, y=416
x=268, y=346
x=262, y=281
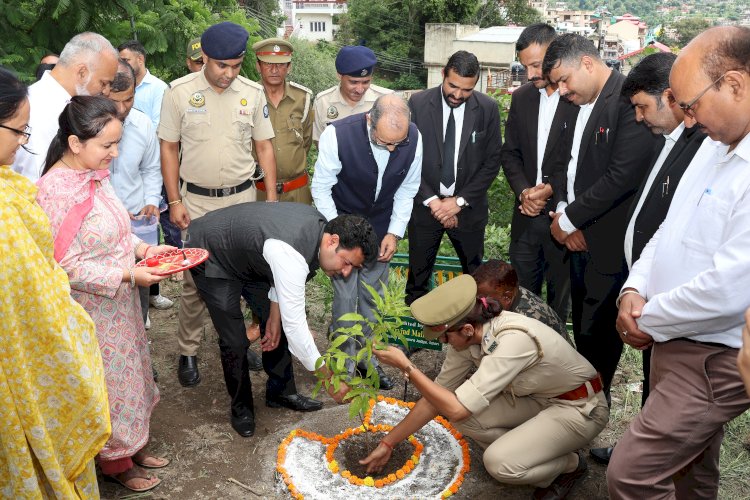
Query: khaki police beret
x=273, y=50
x=445, y=305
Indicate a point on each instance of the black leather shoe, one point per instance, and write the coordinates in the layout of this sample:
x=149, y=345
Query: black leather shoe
x=296, y=402
x=254, y=362
x=386, y=382
x=564, y=483
x=601, y=455
x=187, y=372
x=245, y=426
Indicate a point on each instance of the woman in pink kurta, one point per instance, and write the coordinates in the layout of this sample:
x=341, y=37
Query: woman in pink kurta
x=94, y=244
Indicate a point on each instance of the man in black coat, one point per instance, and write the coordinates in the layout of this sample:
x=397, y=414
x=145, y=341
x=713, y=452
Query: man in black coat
x=461, y=143
x=609, y=157
x=647, y=87
x=536, y=148
x=271, y=249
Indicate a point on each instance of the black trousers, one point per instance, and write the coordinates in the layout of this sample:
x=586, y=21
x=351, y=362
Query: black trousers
x=594, y=314
x=538, y=258
x=425, y=234
x=222, y=298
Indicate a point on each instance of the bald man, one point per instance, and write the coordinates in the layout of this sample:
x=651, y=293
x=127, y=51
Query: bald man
x=369, y=164
x=682, y=296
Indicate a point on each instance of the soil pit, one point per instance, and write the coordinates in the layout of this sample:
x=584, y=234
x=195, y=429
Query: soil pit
x=355, y=448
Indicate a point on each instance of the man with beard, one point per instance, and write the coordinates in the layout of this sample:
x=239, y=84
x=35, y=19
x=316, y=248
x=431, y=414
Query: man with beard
x=537, y=145
x=86, y=66
x=461, y=142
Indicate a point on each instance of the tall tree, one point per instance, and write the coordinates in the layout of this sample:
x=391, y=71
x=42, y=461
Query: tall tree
x=688, y=28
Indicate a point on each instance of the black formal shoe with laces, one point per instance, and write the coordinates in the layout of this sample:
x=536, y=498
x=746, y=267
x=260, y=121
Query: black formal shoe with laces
x=564, y=483
x=296, y=402
x=602, y=455
x=386, y=382
x=244, y=426
x=187, y=372
x=254, y=362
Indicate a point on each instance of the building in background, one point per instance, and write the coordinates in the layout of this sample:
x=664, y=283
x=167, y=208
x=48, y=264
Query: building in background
x=311, y=19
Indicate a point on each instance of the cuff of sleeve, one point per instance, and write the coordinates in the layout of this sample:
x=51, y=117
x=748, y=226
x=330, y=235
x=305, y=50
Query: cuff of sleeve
x=471, y=398
x=272, y=295
x=154, y=200
x=428, y=200
x=565, y=224
x=397, y=229
x=561, y=207
x=309, y=361
x=637, y=282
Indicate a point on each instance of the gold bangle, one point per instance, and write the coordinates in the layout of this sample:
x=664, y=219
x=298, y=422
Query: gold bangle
x=175, y=202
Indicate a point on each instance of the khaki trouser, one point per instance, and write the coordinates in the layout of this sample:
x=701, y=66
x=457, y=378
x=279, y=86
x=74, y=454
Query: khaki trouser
x=527, y=441
x=192, y=308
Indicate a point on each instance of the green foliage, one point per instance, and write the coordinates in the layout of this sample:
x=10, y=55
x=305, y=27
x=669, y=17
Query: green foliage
x=688, y=28
x=388, y=311
x=313, y=65
x=33, y=28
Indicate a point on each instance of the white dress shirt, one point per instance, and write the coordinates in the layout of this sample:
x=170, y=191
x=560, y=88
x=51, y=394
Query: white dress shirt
x=547, y=109
x=148, y=96
x=47, y=99
x=328, y=166
x=458, y=118
x=290, y=272
x=669, y=142
x=136, y=172
x=692, y=272
x=583, y=118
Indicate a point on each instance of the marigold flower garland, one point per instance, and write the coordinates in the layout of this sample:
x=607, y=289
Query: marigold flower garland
x=369, y=481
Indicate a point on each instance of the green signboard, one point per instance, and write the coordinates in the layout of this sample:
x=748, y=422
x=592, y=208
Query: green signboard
x=412, y=330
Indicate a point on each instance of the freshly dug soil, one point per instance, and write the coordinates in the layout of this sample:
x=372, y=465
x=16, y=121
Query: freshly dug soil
x=355, y=448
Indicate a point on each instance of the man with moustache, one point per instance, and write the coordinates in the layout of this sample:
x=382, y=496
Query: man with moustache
x=647, y=87
x=149, y=90
x=461, y=142
x=211, y=121
x=291, y=114
x=537, y=144
x=355, y=92
x=683, y=296
x=608, y=160
x=194, y=59
x=87, y=65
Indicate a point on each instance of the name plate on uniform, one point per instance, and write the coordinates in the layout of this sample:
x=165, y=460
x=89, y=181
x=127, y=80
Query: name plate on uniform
x=412, y=330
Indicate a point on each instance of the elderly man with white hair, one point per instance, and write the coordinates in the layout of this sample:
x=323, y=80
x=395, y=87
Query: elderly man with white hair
x=87, y=66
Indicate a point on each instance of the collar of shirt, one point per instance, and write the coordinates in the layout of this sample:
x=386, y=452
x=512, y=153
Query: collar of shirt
x=675, y=135
x=742, y=150
x=206, y=86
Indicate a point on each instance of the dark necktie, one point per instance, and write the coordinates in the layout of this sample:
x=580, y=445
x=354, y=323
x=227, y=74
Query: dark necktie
x=447, y=178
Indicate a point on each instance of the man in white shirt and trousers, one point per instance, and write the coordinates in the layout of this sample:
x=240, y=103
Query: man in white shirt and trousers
x=685, y=295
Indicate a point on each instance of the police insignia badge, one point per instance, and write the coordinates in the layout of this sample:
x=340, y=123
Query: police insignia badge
x=197, y=100
x=265, y=111
x=364, y=72
x=243, y=101
x=276, y=48
x=332, y=112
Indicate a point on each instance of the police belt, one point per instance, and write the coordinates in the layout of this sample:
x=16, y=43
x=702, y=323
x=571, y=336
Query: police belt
x=219, y=192
x=285, y=187
x=582, y=392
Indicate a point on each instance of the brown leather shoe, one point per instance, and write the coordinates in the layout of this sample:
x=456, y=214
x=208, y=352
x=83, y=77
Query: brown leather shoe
x=564, y=483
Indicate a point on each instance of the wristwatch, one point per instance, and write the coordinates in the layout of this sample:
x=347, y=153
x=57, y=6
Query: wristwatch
x=461, y=202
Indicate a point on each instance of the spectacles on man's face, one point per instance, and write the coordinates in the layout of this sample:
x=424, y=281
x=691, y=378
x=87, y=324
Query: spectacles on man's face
x=385, y=145
x=688, y=108
x=24, y=134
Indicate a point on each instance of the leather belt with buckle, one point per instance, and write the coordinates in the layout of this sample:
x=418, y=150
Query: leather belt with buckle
x=219, y=192
x=581, y=391
x=285, y=187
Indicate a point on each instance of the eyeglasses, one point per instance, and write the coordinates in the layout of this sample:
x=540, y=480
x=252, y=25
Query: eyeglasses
x=270, y=65
x=688, y=108
x=24, y=134
x=385, y=145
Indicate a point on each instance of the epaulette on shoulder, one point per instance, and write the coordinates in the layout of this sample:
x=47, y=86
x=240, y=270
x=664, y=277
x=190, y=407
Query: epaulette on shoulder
x=301, y=87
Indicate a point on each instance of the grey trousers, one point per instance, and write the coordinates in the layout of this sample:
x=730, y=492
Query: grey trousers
x=350, y=295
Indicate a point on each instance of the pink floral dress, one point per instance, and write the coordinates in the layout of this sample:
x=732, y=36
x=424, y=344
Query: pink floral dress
x=94, y=261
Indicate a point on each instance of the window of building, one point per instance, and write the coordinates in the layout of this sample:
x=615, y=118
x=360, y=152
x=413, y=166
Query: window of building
x=317, y=26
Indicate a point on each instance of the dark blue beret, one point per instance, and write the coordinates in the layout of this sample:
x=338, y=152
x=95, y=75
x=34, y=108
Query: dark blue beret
x=355, y=60
x=225, y=41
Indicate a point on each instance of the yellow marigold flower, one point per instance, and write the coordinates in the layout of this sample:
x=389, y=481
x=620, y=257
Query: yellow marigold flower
x=369, y=481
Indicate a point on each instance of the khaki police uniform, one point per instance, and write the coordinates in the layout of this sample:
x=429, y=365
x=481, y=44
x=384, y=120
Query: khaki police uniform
x=292, y=123
x=216, y=131
x=521, y=366
x=331, y=106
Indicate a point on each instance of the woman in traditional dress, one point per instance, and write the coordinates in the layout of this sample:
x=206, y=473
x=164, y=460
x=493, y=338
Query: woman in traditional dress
x=54, y=416
x=94, y=244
